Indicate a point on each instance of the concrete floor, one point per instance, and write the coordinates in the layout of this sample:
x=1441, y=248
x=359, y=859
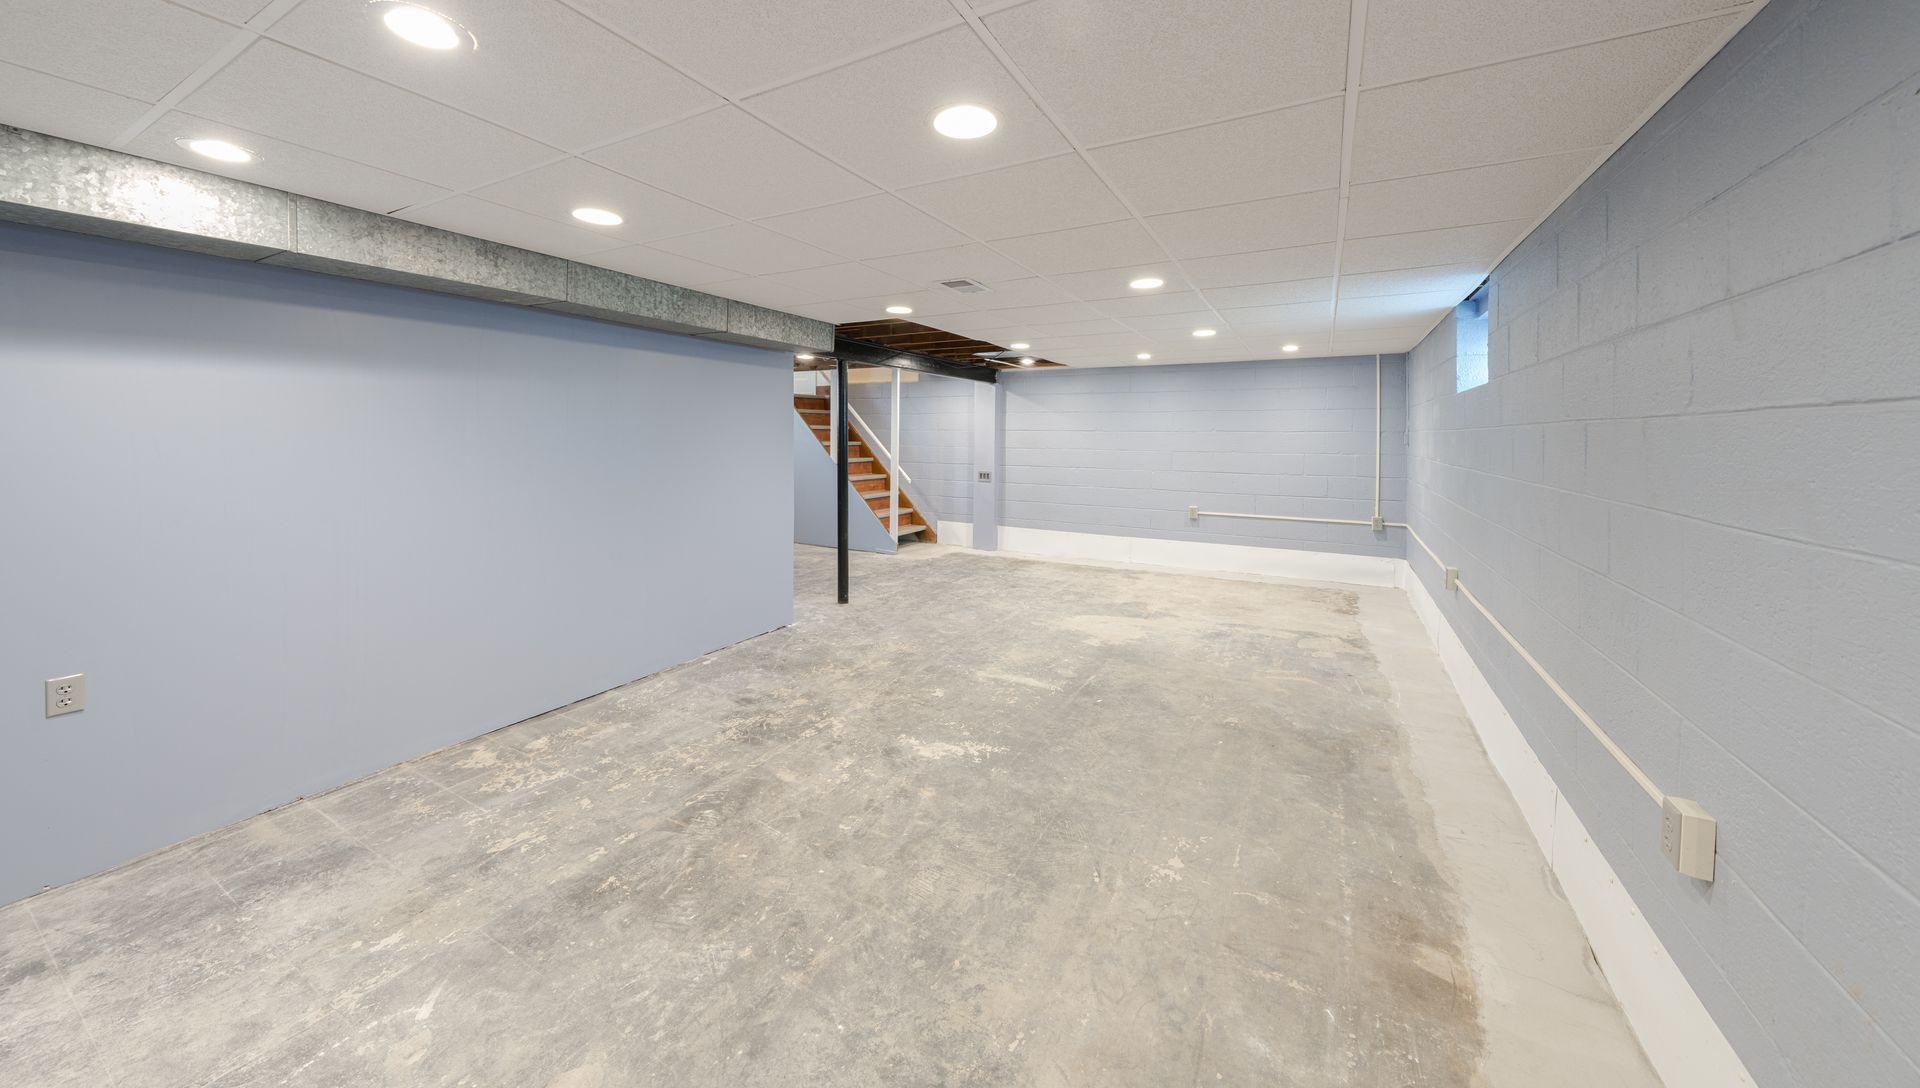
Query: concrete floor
x=999, y=822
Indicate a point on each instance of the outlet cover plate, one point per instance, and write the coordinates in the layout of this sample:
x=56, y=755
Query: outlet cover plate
x=66, y=694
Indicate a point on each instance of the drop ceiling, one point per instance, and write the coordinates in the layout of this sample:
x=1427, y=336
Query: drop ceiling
x=1328, y=173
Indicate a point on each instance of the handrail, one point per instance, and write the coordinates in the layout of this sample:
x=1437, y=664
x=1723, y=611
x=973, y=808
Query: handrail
x=866, y=432
x=1453, y=582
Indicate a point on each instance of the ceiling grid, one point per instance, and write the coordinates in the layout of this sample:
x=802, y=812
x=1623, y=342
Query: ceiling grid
x=1327, y=173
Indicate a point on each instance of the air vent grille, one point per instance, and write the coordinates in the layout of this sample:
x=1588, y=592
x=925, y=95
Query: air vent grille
x=965, y=287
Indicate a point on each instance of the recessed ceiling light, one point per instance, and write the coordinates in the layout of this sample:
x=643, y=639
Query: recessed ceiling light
x=599, y=217
x=1144, y=356
x=421, y=27
x=804, y=358
x=965, y=122
x=1026, y=362
x=1147, y=283
x=1203, y=332
x=1019, y=347
x=899, y=309
x=1289, y=347
x=216, y=149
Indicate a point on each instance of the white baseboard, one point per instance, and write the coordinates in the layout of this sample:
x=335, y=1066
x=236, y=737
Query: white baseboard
x=1680, y=1038
x=1365, y=570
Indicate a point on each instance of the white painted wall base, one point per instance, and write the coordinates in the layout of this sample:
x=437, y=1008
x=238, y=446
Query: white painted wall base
x=1680, y=1038
x=1364, y=570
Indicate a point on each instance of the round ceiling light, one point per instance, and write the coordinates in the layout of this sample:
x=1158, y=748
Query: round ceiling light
x=1147, y=283
x=1203, y=332
x=421, y=27
x=1144, y=356
x=899, y=309
x=805, y=358
x=1289, y=347
x=1019, y=347
x=965, y=122
x=599, y=217
x=220, y=150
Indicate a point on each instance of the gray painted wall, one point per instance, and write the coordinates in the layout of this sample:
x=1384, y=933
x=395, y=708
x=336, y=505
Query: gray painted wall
x=1692, y=489
x=816, y=516
x=1124, y=451
x=297, y=528
x=936, y=440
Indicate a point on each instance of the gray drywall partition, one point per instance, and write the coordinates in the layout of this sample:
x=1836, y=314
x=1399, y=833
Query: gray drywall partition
x=1692, y=490
x=297, y=528
x=816, y=516
x=1124, y=451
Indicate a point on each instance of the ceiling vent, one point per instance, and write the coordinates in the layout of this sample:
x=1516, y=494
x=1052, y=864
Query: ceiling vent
x=965, y=287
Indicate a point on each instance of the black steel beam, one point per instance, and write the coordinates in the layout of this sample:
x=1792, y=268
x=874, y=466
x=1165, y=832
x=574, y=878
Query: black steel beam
x=840, y=444
x=859, y=351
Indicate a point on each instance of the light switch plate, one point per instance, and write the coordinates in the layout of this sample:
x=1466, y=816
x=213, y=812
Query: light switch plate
x=66, y=694
x=1687, y=837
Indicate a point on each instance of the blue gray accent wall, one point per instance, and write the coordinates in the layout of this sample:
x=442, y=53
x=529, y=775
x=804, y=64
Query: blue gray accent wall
x=1692, y=489
x=1125, y=451
x=296, y=528
x=936, y=432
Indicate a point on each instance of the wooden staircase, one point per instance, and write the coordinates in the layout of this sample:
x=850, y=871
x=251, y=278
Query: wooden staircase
x=868, y=472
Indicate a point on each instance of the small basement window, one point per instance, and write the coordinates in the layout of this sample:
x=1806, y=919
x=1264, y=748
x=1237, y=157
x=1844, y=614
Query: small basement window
x=1470, y=341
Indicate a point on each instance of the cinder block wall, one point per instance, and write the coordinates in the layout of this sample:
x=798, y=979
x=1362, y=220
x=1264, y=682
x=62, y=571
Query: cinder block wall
x=936, y=437
x=1124, y=451
x=1692, y=489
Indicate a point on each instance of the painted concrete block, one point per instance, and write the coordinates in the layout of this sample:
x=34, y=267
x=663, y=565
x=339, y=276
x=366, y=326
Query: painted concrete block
x=1685, y=266
x=1608, y=298
x=1827, y=200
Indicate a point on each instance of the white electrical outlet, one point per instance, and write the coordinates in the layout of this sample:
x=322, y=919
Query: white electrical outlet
x=1686, y=837
x=66, y=694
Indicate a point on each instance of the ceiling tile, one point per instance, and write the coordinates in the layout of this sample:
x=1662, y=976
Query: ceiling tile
x=1271, y=294
x=1267, y=266
x=541, y=68
x=1187, y=322
x=59, y=107
x=842, y=281
x=1053, y=193
x=671, y=268
x=762, y=291
x=305, y=100
x=1157, y=302
x=284, y=166
x=233, y=11
x=871, y=226
x=728, y=160
x=929, y=307
x=1422, y=249
x=739, y=46
x=1111, y=283
x=554, y=190
x=1272, y=154
x=471, y=215
x=1275, y=223
x=1409, y=39
x=1523, y=108
x=1383, y=310
x=752, y=249
x=1032, y=291
x=1035, y=316
x=876, y=115
x=1083, y=249
x=1297, y=313
x=1087, y=59
x=1458, y=198
x=137, y=48
x=971, y=261
x=1457, y=280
